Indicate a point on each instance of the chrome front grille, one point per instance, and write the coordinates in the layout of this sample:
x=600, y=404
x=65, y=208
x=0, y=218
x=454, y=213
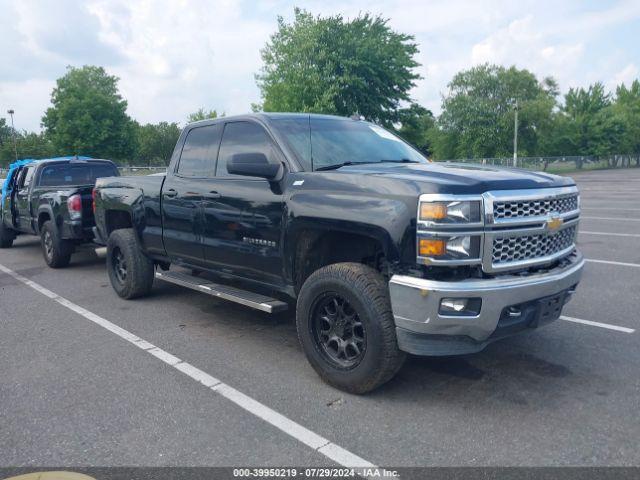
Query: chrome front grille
x=527, y=228
x=534, y=208
x=517, y=249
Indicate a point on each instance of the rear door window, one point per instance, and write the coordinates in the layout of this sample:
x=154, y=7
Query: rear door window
x=199, y=152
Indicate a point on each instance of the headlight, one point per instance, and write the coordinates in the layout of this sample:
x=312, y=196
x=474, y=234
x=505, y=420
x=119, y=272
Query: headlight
x=448, y=212
x=454, y=247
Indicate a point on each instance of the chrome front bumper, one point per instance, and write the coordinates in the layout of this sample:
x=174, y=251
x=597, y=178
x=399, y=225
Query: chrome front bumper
x=422, y=329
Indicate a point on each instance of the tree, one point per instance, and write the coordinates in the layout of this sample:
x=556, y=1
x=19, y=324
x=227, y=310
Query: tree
x=416, y=123
x=155, y=142
x=478, y=113
x=202, y=114
x=337, y=66
x=6, y=142
x=627, y=108
x=88, y=115
x=593, y=126
x=28, y=145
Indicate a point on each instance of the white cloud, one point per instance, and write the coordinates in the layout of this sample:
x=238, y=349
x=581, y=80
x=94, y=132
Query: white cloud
x=28, y=98
x=174, y=57
x=627, y=75
x=524, y=44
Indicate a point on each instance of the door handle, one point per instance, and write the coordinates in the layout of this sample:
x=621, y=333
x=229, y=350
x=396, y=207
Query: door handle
x=213, y=194
x=170, y=193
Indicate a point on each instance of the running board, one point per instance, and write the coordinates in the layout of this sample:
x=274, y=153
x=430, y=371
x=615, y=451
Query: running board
x=249, y=299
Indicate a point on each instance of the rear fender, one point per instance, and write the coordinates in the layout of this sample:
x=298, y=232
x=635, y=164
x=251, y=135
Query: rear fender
x=124, y=199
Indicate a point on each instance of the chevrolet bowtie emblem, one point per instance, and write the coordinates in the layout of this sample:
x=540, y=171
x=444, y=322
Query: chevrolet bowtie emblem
x=554, y=223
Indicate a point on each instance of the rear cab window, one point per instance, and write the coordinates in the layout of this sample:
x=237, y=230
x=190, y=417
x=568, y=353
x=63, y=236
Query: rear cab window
x=72, y=174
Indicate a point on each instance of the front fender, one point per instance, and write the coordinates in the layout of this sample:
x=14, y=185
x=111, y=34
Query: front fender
x=389, y=220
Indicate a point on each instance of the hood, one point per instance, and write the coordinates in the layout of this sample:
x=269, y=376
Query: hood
x=460, y=177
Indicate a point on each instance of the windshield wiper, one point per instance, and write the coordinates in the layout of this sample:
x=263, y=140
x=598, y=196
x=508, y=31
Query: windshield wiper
x=345, y=164
x=399, y=160
x=338, y=165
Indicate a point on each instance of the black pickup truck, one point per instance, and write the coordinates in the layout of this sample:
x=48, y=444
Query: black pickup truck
x=52, y=198
x=381, y=251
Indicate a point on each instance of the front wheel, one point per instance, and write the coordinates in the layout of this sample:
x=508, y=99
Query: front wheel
x=130, y=270
x=56, y=251
x=346, y=327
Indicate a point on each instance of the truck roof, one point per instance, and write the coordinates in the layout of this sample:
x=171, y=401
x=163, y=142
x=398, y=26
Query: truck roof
x=269, y=116
x=70, y=159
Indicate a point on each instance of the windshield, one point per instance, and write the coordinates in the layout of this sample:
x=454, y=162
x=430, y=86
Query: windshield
x=322, y=143
x=68, y=174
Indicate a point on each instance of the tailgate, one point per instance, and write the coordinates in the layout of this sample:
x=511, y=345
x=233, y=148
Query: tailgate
x=86, y=193
x=87, y=206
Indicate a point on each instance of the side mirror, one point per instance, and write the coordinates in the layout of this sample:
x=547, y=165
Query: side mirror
x=253, y=165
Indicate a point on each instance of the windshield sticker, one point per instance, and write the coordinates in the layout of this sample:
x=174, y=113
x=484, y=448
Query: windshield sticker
x=383, y=133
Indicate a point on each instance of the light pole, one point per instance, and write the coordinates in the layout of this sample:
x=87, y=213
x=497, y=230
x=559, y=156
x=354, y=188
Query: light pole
x=13, y=134
x=515, y=135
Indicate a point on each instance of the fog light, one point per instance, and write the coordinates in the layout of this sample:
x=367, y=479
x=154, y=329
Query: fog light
x=460, y=306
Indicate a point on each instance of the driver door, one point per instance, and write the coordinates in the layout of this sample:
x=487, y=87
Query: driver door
x=242, y=217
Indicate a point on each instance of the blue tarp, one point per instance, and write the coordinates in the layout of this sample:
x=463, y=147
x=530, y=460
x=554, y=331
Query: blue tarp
x=12, y=167
x=5, y=187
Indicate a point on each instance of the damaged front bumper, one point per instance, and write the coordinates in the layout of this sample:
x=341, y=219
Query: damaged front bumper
x=501, y=306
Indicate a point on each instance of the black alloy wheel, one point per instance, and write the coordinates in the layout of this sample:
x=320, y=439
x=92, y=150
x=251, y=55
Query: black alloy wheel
x=338, y=331
x=119, y=265
x=47, y=241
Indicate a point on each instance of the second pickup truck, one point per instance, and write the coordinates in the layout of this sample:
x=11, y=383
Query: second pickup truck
x=381, y=252
x=52, y=198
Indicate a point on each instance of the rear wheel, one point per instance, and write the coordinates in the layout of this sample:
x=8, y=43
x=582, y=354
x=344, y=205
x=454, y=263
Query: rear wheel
x=346, y=327
x=56, y=251
x=130, y=270
x=6, y=236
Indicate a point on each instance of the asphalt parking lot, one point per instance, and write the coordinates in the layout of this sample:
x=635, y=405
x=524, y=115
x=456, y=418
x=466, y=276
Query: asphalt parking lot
x=74, y=393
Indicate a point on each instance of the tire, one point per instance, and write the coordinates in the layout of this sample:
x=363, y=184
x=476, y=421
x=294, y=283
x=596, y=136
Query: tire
x=56, y=251
x=6, y=236
x=130, y=270
x=356, y=299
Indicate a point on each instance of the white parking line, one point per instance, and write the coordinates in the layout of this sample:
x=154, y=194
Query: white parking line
x=613, y=218
x=598, y=324
x=610, y=262
x=610, y=208
x=609, y=233
x=318, y=443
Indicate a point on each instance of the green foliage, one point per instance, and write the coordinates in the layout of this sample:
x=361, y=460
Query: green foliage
x=627, y=110
x=337, y=66
x=155, y=143
x=416, y=123
x=88, y=116
x=478, y=113
x=202, y=114
x=28, y=145
x=593, y=128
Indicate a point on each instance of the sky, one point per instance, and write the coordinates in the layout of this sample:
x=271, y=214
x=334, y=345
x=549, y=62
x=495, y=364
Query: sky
x=175, y=56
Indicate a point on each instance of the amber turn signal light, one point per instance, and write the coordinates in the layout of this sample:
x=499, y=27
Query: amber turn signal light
x=430, y=247
x=433, y=211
